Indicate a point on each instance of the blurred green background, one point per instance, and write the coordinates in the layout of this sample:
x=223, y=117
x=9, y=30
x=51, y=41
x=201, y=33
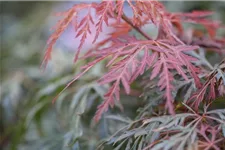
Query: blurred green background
x=28, y=119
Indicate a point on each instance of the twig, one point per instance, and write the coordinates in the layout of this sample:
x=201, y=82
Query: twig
x=127, y=20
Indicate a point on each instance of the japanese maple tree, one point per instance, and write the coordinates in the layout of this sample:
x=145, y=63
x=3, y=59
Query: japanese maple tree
x=174, y=60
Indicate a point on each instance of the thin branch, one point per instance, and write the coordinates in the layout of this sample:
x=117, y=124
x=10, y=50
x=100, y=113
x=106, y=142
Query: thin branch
x=127, y=20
